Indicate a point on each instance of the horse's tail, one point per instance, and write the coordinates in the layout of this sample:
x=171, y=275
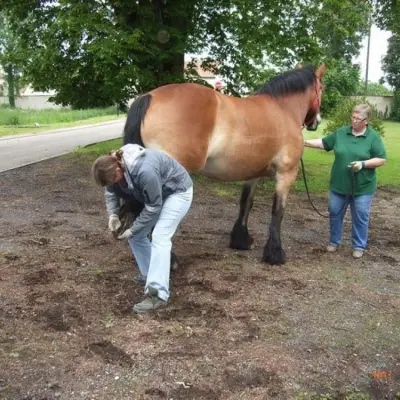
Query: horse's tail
x=134, y=120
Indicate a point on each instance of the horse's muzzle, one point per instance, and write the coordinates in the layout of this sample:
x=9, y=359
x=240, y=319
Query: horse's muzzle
x=314, y=125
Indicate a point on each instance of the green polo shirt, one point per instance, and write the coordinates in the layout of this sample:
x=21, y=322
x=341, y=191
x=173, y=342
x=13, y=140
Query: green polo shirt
x=348, y=148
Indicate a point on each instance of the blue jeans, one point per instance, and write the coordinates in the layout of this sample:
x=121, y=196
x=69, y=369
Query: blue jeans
x=154, y=258
x=360, y=207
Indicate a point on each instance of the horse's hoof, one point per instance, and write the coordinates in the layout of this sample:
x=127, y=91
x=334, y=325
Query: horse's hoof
x=240, y=238
x=274, y=255
x=275, y=259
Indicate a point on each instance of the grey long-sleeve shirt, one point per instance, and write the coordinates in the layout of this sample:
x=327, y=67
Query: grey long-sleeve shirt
x=151, y=176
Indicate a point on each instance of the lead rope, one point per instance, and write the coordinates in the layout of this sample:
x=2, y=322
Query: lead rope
x=308, y=192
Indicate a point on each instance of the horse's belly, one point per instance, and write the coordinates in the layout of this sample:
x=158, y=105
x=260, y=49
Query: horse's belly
x=223, y=170
x=215, y=169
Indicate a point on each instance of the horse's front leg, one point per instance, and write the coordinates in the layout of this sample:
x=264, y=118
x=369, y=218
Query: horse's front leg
x=240, y=238
x=273, y=251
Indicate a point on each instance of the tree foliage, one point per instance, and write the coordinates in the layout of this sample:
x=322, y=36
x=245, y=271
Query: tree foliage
x=8, y=57
x=391, y=62
x=97, y=52
x=391, y=69
x=387, y=14
x=341, y=79
x=395, y=113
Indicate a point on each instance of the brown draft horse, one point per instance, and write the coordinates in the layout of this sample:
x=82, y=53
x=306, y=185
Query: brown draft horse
x=235, y=139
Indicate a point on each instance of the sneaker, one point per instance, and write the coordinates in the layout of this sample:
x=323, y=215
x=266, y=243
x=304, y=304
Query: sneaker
x=357, y=253
x=331, y=248
x=148, y=304
x=140, y=280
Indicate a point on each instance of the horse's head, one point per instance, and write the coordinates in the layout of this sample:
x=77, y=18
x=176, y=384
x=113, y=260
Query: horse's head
x=313, y=118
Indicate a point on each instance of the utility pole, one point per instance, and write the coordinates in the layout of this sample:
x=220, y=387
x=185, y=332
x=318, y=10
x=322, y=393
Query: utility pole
x=367, y=66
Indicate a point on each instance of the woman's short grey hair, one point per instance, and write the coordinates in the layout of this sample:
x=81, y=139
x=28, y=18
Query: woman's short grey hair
x=364, y=110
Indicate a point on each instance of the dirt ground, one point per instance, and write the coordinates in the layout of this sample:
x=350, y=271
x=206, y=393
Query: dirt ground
x=323, y=326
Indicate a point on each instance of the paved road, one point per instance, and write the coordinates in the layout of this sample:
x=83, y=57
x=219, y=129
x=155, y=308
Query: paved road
x=19, y=150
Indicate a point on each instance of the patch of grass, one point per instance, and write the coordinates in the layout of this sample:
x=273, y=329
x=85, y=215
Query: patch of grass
x=223, y=192
x=93, y=151
x=221, y=189
x=98, y=273
x=9, y=255
x=35, y=121
x=108, y=320
x=19, y=116
x=224, y=189
x=5, y=131
x=390, y=173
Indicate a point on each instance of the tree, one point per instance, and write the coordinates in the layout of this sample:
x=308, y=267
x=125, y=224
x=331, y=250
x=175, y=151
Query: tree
x=97, y=52
x=391, y=62
x=391, y=69
x=8, y=59
x=341, y=25
x=341, y=79
x=387, y=14
x=374, y=89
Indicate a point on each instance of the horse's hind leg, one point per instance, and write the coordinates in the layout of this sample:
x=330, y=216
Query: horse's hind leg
x=240, y=238
x=273, y=251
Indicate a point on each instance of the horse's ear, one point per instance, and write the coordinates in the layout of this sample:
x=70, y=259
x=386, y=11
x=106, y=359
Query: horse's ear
x=319, y=73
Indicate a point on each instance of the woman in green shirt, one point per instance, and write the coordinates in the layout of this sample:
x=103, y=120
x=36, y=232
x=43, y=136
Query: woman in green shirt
x=360, y=148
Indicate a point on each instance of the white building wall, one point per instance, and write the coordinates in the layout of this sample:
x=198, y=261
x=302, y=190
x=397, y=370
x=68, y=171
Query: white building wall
x=36, y=102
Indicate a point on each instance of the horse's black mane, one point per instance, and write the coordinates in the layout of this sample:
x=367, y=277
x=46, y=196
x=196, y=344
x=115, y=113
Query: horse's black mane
x=296, y=81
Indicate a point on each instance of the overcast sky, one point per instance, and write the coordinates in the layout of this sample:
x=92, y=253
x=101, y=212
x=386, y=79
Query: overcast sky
x=378, y=49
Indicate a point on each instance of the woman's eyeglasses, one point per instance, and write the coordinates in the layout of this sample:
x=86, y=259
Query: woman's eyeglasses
x=358, y=119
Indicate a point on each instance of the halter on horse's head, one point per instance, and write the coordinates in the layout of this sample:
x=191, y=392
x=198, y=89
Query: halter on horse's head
x=313, y=118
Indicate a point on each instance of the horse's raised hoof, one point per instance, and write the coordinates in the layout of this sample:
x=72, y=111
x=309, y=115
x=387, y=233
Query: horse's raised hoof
x=274, y=254
x=240, y=238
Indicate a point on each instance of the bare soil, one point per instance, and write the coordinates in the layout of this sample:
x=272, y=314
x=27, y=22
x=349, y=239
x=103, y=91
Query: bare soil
x=321, y=326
